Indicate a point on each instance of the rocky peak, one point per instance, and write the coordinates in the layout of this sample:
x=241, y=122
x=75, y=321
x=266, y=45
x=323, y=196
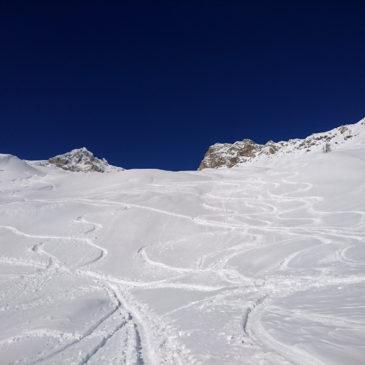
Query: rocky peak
x=229, y=155
x=80, y=160
x=232, y=154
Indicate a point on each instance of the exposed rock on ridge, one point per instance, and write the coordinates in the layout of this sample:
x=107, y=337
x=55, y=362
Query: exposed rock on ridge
x=80, y=160
x=229, y=155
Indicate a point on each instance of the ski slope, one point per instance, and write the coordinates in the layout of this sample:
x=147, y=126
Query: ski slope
x=259, y=264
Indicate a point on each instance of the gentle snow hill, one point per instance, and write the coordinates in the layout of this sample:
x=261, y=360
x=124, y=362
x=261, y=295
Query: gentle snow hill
x=12, y=166
x=247, y=151
x=263, y=263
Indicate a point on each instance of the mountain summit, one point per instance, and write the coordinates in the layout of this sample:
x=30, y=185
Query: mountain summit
x=233, y=154
x=80, y=160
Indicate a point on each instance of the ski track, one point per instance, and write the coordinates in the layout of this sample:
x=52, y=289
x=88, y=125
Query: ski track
x=143, y=333
x=108, y=283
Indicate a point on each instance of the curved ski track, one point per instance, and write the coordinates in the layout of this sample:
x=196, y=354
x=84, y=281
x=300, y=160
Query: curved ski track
x=144, y=336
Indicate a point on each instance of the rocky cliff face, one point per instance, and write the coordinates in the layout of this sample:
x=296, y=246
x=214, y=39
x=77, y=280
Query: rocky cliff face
x=80, y=160
x=229, y=155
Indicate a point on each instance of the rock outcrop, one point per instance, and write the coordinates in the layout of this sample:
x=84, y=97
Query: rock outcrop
x=233, y=154
x=80, y=160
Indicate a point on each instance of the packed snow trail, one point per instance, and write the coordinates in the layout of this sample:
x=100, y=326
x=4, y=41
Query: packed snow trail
x=261, y=264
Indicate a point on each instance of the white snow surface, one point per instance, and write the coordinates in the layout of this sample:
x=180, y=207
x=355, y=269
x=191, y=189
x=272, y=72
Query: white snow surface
x=12, y=167
x=258, y=264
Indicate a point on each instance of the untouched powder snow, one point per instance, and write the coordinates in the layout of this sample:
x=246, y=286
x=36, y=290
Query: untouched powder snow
x=13, y=167
x=259, y=264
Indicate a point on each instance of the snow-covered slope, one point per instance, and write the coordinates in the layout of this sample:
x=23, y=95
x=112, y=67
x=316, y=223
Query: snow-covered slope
x=229, y=155
x=260, y=264
x=13, y=167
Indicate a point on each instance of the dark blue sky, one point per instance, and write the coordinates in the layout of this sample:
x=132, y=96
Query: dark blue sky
x=154, y=83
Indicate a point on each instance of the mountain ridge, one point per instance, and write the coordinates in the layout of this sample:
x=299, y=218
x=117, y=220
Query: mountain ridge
x=246, y=151
x=80, y=160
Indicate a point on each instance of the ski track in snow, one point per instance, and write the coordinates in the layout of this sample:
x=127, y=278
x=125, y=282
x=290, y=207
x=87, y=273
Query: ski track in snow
x=109, y=284
x=250, y=208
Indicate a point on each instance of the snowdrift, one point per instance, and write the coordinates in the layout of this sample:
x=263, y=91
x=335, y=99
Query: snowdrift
x=16, y=168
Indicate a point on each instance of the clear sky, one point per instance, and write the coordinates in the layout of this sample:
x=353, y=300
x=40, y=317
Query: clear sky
x=154, y=83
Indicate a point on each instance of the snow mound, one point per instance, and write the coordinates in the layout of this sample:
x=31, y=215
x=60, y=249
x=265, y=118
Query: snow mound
x=229, y=155
x=15, y=167
x=81, y=160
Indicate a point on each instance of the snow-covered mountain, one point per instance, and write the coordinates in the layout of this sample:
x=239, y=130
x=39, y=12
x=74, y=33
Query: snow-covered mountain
x=229, y=155
x=81, y=160
x=263, y=263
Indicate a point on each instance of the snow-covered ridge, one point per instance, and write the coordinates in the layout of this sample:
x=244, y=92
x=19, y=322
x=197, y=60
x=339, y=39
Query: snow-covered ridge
x=81, y=160
x=232, y=154
x=13, y=166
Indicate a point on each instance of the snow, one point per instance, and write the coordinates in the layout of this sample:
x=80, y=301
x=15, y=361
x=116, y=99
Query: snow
x=13, y=167
x=80, y=160
x=259, y=264
x=247, y=151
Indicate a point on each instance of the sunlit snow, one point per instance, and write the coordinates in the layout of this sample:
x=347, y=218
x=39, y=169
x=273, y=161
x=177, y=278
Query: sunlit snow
x=258, y=264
